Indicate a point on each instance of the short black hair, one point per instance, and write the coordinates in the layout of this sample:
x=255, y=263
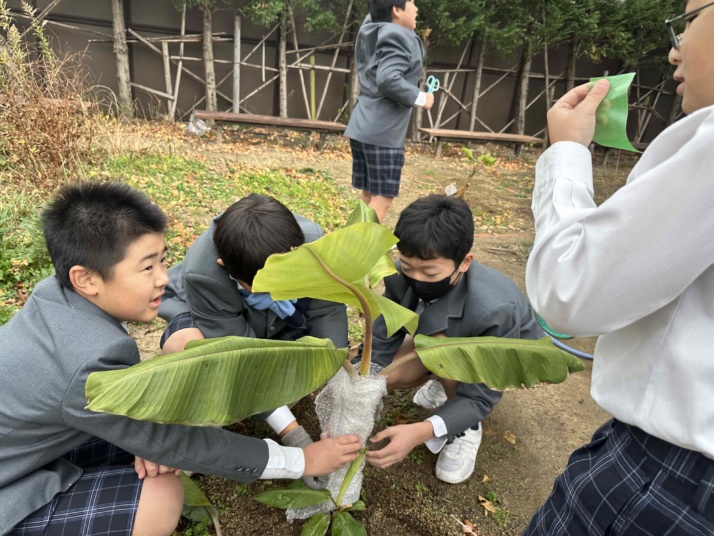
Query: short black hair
x=381, y=10
x=250, y=231
x=91, y=224
x=436, y=226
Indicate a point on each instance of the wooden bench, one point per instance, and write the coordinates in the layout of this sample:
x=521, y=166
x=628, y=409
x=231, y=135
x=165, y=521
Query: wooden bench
x=467, y=135
x=323, y=127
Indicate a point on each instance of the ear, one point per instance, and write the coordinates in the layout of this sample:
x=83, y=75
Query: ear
x=220, y=262
x=464, y=266
x=84, y=280
x=396, y=13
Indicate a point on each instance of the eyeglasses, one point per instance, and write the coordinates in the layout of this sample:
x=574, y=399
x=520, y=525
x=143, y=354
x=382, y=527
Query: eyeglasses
x=677, y=25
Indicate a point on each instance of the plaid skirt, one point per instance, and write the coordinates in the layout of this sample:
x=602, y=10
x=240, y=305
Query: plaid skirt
x=628, y=482
x=102, y=501
x=376, y=169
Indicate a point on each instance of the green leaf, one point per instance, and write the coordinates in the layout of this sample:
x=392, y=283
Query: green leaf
x=385, y=264
x=498, y=362
x=333, y=268
x=297, y=495
x=362, y=213
x=192, y=494
x=468, y=153
x=350, y=474
x=343, y=524
x=215, y=383
x=359, y=506
x=317, y=525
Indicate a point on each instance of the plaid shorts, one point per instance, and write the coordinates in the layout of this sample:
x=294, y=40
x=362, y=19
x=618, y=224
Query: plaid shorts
x=376, y=169
x=185, y=321
x=627, y=482
x=102, y=501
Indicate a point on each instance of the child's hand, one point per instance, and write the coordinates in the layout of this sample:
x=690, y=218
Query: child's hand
x=329, y=454
x=145, y=468
x=572, y=118
x=402, y=439
x=429, y=101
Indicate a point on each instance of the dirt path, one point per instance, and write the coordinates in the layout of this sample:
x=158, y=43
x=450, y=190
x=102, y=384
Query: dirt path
x=530, y=433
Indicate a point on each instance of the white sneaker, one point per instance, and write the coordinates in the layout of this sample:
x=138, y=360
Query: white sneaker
x=430, y=395
x=457, y=460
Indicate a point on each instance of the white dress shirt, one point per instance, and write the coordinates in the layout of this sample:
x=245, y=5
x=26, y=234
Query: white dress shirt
x=283, y=462
x=639, y=271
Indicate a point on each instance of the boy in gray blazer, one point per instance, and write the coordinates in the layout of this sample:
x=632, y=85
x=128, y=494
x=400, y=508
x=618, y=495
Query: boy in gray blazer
x=389, y=57
x=65, y=469
x=455, y=297
x=209, y=293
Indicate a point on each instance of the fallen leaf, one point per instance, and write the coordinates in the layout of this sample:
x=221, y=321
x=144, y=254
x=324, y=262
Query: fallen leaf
x=487, y=505
x=510, y=437
x=486, y=480
x=468, y=527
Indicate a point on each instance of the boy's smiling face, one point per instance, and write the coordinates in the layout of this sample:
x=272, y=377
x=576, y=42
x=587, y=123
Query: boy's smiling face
x=133, y=293
x=694, y=60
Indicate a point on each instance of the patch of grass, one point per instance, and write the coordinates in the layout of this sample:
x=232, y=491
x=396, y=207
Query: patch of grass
x=192, y=192
x=243, y=491
x=498, y=514
x=24, y=259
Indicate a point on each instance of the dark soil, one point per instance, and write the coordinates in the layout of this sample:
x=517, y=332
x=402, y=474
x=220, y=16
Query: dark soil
x=530, y=434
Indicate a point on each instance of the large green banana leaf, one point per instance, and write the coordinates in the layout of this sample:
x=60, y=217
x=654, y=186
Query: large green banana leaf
x=333, y=268
x=217, y=381
x=498, y=362
x=385, y=265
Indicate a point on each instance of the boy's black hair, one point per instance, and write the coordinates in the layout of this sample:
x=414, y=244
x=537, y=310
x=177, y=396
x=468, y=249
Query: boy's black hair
x=436, y=226
x=250, y=231
x=92, y=224
x=381, y=10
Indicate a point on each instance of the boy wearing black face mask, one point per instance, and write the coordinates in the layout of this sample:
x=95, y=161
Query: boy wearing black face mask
x=455, y=297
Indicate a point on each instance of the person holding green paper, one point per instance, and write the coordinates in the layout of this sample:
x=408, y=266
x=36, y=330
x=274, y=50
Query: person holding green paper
x=638, y=271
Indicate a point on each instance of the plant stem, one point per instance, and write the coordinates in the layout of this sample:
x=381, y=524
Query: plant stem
x=349, y=368
x=398, y=363
x=367, y=348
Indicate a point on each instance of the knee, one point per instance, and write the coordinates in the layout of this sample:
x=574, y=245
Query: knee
x=160, y=505
x=179, y=339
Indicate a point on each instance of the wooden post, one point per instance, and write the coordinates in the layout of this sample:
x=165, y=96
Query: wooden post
x=167, y=73
x=209, y=69
x=236, y=63
x=121, y=53
x=313, y=114
x=179, y=69
x=283, y=63
x=477, y=82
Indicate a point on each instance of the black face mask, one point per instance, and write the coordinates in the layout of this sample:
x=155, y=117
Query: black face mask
x=430, y=290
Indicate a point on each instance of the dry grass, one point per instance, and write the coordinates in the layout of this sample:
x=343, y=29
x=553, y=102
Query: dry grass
x=47, y=124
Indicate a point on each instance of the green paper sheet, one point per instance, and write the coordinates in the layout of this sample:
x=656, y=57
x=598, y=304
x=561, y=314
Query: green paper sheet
x=611, y=115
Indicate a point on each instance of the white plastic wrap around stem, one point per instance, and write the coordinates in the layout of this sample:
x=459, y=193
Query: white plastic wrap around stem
x=347, y=405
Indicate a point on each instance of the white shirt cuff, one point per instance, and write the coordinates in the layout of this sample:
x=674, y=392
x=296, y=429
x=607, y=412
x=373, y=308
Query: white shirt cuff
x=283, y=462
x=421, y=99
x=436, y=443
x=280, y=418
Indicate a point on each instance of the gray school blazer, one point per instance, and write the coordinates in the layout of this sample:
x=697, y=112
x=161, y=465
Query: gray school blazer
x=47, y=350
x=389, y=63
x=486, y=303
x=201, y=286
